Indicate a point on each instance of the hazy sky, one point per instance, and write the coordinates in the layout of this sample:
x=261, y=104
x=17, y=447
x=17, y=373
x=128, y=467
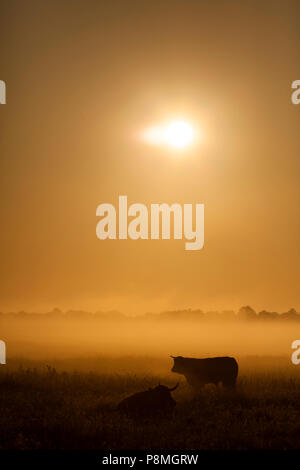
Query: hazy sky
x=83, y=79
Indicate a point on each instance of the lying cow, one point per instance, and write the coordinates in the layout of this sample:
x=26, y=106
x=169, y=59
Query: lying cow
x=155, y=402
x=199, y=372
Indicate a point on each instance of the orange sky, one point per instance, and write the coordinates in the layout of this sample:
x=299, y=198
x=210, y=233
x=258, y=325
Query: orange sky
x=83, y=79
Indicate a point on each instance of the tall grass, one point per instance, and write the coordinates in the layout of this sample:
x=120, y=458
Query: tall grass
x=43, y=408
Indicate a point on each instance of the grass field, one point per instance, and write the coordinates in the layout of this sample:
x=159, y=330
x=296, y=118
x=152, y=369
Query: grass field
x=45, y=408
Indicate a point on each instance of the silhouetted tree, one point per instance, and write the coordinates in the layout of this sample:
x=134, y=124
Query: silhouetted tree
x=246, y=313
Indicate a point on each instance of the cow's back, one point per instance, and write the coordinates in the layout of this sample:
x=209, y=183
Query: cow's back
x=219, y=368
x=148, y=403
x=136, y=402
x=211, y=370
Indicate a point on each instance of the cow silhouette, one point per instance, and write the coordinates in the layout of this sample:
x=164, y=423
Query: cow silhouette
x=151, y=403
x=199, y=372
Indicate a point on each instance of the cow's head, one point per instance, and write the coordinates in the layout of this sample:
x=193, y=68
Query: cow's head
x=163, y=388
x=178, y=364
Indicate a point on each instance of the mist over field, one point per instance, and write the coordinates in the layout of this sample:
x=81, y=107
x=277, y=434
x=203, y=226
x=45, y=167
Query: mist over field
x=114, y=337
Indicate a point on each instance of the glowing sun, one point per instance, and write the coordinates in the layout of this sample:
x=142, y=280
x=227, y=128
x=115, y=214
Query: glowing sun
x=176, y=134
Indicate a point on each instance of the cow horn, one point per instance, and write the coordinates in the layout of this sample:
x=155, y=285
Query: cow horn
x=174, y=388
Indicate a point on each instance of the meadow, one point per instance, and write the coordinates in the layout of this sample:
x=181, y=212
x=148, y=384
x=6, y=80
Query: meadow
x=71, y=404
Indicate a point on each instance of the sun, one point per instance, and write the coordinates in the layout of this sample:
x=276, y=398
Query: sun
x=177, y=134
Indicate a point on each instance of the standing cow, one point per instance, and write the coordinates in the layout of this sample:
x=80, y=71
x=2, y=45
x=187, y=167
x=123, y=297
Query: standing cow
x=199, y=372
x=155, y=402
